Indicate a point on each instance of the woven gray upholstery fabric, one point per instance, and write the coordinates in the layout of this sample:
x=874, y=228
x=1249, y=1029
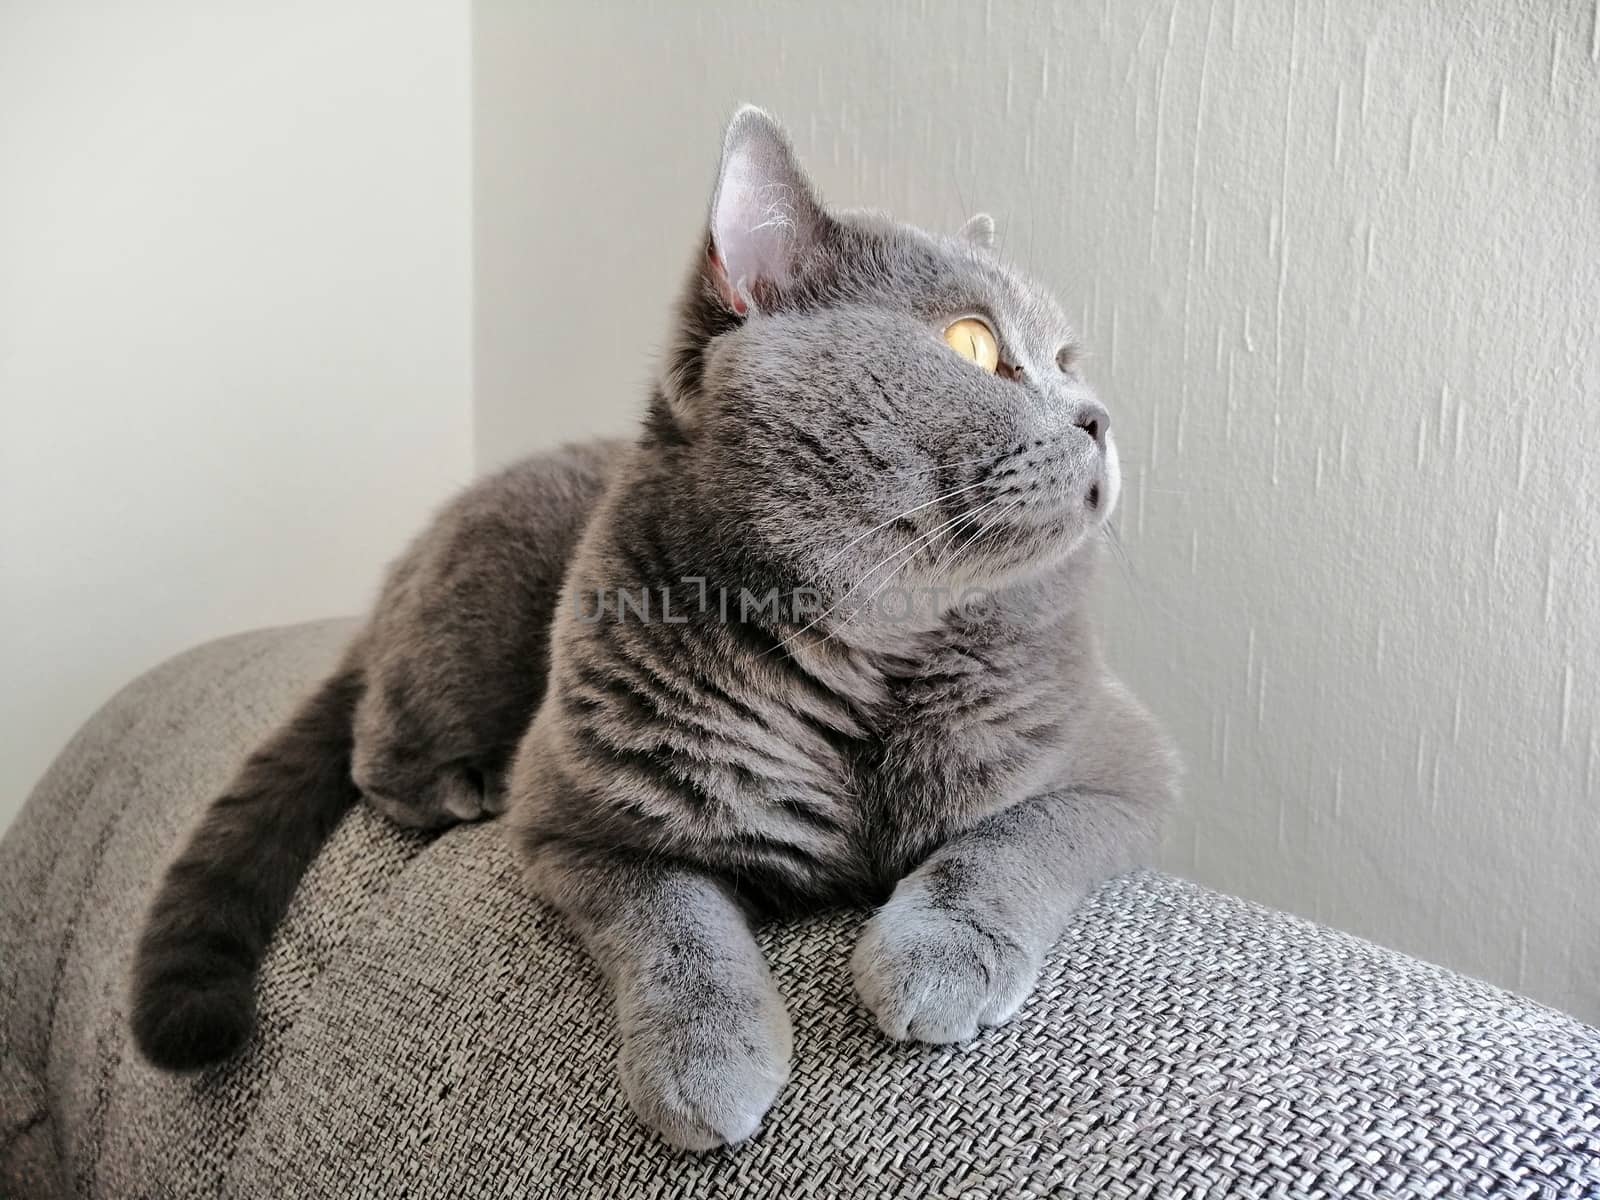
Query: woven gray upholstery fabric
x=427, y=1030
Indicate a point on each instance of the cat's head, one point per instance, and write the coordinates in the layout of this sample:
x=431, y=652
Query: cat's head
x=875, y=404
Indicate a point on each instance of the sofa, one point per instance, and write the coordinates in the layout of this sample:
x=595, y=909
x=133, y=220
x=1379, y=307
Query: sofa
x=426, y=1029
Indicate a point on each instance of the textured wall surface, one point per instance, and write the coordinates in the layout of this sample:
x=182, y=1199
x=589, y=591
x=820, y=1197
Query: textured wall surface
x=1338, y=262
x=235, y=276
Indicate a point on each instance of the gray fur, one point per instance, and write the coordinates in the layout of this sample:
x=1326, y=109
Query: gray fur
x=423, y=715
x=980, y=772
x=972, y=768
x=455, y=656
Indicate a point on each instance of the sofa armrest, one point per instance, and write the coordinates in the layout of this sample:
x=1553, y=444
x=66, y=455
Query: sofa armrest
x=425, y=1028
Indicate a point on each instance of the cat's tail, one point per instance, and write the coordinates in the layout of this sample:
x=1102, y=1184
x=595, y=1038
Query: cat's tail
x=194, y=975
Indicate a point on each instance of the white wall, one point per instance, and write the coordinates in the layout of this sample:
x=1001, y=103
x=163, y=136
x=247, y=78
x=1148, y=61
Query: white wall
x=234, y=327
x=1339, y=263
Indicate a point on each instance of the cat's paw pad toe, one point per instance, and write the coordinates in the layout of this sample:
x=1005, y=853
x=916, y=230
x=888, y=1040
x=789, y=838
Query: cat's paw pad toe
x=702, y=1082
x=929, y=974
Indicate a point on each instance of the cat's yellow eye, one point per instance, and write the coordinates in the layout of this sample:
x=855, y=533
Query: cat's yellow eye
x=974, y=340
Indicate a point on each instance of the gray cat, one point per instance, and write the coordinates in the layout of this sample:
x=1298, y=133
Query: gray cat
x=820, y=635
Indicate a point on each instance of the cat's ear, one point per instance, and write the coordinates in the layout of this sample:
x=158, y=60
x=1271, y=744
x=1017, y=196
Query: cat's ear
x=765, y=217
x=979, y=230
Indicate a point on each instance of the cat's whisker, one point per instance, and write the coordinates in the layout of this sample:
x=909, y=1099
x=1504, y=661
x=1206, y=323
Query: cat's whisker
x=923, y=541
x=960, y=462
x=862, y=581
x=948, y=554
x=1108, y=533
x=1138, y=586
x=992, y=525
x=898, y=516
x=909, y=551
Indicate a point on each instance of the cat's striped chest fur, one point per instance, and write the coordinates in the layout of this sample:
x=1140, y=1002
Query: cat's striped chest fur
x=799, y=769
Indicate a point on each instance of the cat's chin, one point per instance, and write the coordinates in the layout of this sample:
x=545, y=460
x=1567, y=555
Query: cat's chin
x=1033, y=556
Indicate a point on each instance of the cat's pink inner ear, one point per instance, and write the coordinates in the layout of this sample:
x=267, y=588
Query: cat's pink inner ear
x=725, y=289
x=764, y=216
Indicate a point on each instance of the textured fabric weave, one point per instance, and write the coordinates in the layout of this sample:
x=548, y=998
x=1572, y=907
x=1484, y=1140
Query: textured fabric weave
x=427, y=1030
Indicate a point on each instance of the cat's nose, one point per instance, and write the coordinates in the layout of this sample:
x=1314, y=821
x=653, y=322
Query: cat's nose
x=1093, y=419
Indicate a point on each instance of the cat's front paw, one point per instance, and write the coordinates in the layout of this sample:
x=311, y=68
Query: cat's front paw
x=931, y=973
x=704, y=1075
